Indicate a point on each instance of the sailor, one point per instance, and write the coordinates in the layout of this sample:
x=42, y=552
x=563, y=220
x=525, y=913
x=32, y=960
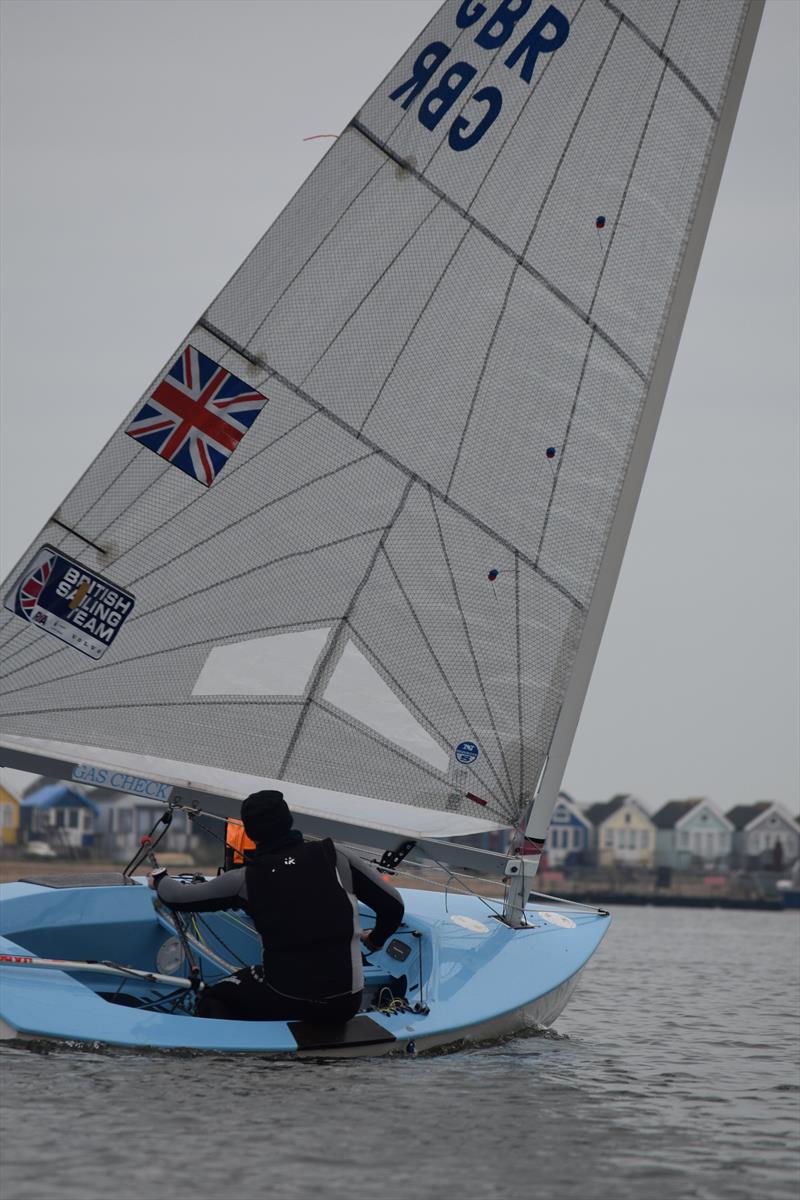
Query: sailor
x=302, y=899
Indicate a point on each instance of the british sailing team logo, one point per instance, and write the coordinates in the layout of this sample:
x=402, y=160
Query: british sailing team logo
x=197, y=415
x=67, y=600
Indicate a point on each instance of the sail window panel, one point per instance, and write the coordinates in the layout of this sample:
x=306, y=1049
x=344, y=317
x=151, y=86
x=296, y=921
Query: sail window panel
x=278, y=665
x=332, y=283
x=362, y=357
x=305, y=223
x=503, y=179
x=567, y=248
x=650, y=239
x=522, y=406
x=357, y=688
x=417, y=666
x=422, y=411
x=337, y=752
x=249, y=737
x=702, y=42
x=288, y=465
x=591, y=471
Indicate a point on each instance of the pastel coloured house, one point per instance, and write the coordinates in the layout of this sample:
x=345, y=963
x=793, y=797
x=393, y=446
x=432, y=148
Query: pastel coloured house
x=624, y=833
x=692, y=833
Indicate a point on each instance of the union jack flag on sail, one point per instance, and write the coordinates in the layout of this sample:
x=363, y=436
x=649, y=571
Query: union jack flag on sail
x=197, y=415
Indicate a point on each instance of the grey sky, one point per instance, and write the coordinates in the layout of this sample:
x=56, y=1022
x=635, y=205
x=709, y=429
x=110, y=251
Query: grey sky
x=146, y=147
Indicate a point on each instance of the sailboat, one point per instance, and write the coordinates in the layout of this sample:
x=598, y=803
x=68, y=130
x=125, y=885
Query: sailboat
x=359, y=537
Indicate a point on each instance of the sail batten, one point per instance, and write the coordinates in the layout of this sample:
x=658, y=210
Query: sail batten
x=398, y=442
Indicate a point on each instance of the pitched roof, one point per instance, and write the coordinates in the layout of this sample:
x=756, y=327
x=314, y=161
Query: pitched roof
x=743, y=814
x=58, y=795
x=597, y=813
x=670, y=813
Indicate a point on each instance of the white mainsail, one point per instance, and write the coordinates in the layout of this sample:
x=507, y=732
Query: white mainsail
x=379, y=561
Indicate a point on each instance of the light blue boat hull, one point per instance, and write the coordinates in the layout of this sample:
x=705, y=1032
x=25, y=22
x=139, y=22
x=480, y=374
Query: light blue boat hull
x=477, y=978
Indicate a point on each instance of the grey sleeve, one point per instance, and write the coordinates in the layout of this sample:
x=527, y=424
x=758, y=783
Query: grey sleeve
x=228, y=890
x=385, y=901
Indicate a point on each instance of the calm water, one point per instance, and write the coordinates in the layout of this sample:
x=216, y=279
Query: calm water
x=673, y=1074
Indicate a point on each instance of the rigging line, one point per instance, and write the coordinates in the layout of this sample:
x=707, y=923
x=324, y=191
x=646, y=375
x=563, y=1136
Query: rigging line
x=94, y=666
x=562, y=297
x=335, y=638
x=256, y=512
x=472, y=648
x=660, y=52
x=423, y=310
x=519, y=115
x=525, y=249
x=435, y=658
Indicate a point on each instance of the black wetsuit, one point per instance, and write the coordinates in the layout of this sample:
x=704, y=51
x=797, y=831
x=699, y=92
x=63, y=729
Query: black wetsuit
x=302, y=899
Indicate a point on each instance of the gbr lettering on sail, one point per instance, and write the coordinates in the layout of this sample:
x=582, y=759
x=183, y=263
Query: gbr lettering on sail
x=438, y=83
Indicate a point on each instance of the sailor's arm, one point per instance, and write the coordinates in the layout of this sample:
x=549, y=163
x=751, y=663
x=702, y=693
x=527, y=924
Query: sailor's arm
x=380, y=896
x=228, y=890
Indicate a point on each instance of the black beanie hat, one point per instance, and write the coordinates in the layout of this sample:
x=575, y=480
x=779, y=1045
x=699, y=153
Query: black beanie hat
x=266, y=817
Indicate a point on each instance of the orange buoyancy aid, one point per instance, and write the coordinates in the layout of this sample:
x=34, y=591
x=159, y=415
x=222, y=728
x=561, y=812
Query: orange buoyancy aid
x=236, y=843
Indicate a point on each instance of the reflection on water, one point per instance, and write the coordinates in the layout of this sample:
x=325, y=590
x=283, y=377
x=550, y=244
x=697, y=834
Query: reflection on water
x=673, y=1074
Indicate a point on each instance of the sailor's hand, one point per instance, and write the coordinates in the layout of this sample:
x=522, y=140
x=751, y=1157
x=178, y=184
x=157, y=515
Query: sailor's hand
x=367, y=940
x=155, y=876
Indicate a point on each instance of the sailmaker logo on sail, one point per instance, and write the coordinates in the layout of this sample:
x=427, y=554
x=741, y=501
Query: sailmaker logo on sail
x=497, y=30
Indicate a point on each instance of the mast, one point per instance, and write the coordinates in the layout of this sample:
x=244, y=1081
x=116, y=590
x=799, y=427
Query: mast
x=524, y=867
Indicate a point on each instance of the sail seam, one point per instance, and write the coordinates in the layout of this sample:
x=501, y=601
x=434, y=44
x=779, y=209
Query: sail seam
x=665, y=58
x=336, y=635
x=528, y=241
x=260, y=325
x=518, y=118
x=326, y=707
x=473, y=655
x=435, y=658
x=412, y=331
x=262, y=508
x=504, y=247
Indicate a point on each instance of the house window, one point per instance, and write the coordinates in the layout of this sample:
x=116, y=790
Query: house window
x=6, y=815
x=683, y=839
x=124, y=820
x=576, y=838
x=644, y=838
x=73, y=817
x=608, y=838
